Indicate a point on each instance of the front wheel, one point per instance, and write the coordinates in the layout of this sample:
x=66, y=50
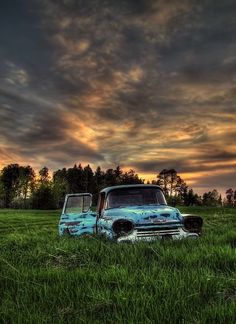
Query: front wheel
x=84, y=235
x=66, y=233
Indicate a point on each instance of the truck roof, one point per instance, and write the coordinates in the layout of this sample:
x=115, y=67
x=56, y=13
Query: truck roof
x=108, y=189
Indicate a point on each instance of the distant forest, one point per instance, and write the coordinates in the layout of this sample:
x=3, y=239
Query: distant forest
x=22, y=187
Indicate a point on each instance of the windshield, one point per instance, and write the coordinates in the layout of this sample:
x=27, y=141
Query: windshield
x=135, y=197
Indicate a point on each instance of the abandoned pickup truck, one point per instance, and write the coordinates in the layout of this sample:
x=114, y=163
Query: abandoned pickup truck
x=127, y=213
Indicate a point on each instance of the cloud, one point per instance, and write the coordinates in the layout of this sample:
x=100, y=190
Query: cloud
x=221, y=181
x=16, y=75
x=145, y=84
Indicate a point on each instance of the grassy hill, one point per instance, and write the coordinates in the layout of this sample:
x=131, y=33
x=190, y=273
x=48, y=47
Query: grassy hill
x=44, y=278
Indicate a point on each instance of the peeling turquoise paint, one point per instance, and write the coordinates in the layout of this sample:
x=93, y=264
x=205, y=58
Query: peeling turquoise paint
x=77, y=224
x=148, y=222
x=143, y=218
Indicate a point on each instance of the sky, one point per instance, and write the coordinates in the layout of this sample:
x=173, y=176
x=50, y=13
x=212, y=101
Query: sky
x=144, y=84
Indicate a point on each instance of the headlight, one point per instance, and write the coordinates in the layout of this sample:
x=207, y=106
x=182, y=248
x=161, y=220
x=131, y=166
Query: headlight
x=122, y=227
x=193, y=224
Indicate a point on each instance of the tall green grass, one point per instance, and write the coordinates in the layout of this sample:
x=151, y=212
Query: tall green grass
x=47, y=279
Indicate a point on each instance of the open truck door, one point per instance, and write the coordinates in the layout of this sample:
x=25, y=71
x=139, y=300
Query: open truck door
x=77, y=217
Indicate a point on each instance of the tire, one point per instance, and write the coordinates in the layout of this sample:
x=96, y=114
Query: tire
x=66, y=233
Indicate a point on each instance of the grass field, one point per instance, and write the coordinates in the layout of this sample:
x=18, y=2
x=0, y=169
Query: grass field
x=47, y=279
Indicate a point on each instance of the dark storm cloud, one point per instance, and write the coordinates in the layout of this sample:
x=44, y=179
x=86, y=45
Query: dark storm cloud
x=40, y=133
x=217, y=156
x=186, y=165
x=22, y=40
x=144, y=83
x=59, y=153
x=152, y=166
x=220, y=181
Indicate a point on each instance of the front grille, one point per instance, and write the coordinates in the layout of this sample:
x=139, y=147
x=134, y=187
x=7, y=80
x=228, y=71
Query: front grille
x=157, y=232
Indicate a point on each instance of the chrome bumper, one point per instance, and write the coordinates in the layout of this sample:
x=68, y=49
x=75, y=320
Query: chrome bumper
x=142, y=235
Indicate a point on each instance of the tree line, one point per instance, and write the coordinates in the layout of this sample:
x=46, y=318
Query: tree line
x=22, y=187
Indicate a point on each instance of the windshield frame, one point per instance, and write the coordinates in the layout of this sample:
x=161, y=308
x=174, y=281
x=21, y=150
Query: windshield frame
x=164, y=203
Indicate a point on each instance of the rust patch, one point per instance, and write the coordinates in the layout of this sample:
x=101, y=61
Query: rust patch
x=74, y=230
x=72, y=223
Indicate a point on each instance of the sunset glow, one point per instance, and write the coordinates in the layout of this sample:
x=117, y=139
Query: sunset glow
x=142, y=84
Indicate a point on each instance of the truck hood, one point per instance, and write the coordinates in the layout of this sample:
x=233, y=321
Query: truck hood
x=143, y=215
